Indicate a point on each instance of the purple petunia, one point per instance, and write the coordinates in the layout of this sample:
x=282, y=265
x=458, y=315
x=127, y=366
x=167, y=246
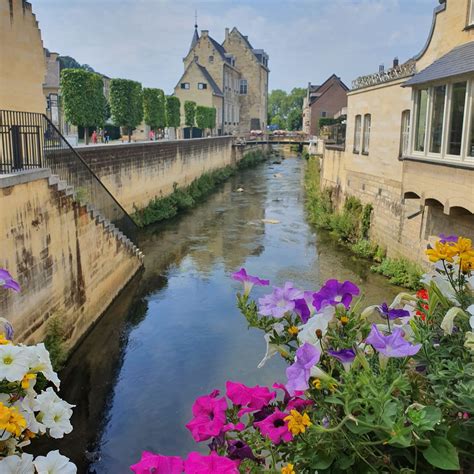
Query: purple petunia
x=393, y=345
x=307, y=356
x=344, y=356
x=238, y=450
x=390, y=313
x=333, y=293
x=448, y=238
x=249, y=281
x=280, y=301
x=7, y=281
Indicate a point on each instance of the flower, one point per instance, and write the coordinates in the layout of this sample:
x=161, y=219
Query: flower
x=272, y=349
x=14, y=362
x=197, y=463
x=209, y=416
x=275, y=427
x=7, y=281
x=297, y=422
x=344, y=356
x=464, y=246
x=319, y=322
x=158, y=464
x=7, y=329
x=11, y=421
x=54, y=463
x=293, y=330
x=393, y=345
x=391, y=313
x=280, y=301
x=248, y=280
x=333, y=293
x=447, y=325
x=298, y=374
x=239, y=450
x=17, y=464
x=288, y=469
x=441, y=251
x=447, y=238
x=41, y=362
x=302, y=309
x=251, y=398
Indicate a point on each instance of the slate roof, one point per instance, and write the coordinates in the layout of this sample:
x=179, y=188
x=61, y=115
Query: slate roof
x=195, y=39
x=212, y=83
x=459, y=60
x=219, y=48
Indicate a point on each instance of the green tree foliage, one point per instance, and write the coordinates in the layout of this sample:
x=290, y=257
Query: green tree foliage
x=154, y=108
x=173, y=114
x=212, y=118
x=205, y=117
x=126, y=103
x=83, y=98
x=282, y=108
x=67, y=62
x=189, y=113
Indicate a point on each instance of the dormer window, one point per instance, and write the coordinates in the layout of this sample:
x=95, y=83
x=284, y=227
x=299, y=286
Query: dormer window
x=211, y=59
x=202, y=86
x=185, y=85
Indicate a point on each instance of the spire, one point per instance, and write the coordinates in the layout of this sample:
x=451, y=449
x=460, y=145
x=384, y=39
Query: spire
x=195, y=35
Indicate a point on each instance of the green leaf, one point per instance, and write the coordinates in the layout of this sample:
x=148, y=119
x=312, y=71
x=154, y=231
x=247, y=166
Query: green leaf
x=442, y=454
x=322, y=461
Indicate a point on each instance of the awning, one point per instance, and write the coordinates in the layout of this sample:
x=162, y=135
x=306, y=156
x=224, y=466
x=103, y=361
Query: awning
x=458, y=61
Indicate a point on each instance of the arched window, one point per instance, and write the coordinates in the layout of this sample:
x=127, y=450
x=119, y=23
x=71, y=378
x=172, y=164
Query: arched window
x=405, y=133
x=366, y=138
x=357, y=128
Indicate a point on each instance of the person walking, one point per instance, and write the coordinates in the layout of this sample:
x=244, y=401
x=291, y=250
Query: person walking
x=94, y=137
x=106, y=136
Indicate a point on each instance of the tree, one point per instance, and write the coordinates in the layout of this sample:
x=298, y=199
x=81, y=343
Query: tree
x=205, y=117
x=212, y=118
x=190, y=114
x=66, y=62
x=83, y=98
x=173, y=114
x=281, y=106
x=295, y=119
x=154, y=108
x=126, y=104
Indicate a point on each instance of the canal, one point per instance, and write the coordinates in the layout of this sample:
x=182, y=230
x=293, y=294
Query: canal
x=175, y=332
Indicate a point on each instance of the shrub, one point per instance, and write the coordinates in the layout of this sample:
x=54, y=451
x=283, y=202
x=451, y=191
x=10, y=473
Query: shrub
x=54, y=342
x=364, y=248
x=400, y=271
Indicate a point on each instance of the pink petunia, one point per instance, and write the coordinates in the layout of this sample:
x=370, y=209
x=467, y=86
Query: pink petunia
x=157, y=464
x=275, y=427
x=197, y=463
x=209, y=416
x=249, y=398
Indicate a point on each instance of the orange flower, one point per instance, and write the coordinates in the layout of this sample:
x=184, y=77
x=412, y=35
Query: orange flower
x=441, y=252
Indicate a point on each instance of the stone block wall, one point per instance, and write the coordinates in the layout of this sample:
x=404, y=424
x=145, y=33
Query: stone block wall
x=137, y=173
x=67, y=264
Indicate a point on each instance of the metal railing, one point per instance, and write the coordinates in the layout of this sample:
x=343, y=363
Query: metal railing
x=30, y=140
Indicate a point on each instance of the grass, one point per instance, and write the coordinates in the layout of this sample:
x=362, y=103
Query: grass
x=181, y=199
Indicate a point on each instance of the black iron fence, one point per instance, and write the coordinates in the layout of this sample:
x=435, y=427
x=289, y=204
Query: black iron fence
x=30, y=140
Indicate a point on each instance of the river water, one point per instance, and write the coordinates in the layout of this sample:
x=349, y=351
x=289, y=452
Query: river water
x=175, y=333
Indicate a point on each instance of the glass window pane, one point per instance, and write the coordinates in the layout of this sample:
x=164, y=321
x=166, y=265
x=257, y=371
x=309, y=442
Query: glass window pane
x=420, y=130
x=367, y=123
x=405, y=133
x=358, y=121
x=439, y=94
x=470, y=145
x=458, y=103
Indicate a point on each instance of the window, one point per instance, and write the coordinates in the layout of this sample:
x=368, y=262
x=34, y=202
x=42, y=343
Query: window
x=357, y=127
x=211, y=59
x=471, y=13
x=243, y=87
x=185, y=85
x=456, y=119
x=405, y=133
x=323, y=114
x=420, y=126
x=437, y=115
x=366, y=139
x=202, y=86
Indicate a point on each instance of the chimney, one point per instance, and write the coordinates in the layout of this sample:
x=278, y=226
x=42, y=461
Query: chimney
x=395, y=61
x=381, y=68
x=204, y=33
x=226, y=33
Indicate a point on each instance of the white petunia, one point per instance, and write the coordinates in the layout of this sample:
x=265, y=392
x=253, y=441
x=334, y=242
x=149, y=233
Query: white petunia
x=320, y=321
x=272, y=349
x=13, y=363
x=47, y=398
x=56, y=420
x=25, y=406
x=41, y=362
x=447, y=325
x=17, y=465
x=470, y=310
x=54, y=463
x=442, y=283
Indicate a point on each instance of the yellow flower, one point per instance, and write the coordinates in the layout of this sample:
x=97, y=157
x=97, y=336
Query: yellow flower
x=466, y=262
x=441, y=252
x=317, y=384
x=464, y=245
x=344, y=320
x=25, y=383
x=293, y=330
x=332, y=387
x=11, y=420
x=4, y=340
x=288, y=469
x=297, y=422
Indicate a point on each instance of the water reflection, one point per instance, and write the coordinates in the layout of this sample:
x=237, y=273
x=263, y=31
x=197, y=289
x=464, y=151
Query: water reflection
x=175, y=333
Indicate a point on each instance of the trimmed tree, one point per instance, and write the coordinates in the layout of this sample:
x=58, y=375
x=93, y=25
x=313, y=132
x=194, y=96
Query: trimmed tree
x=190, y=114
x=83, y=99
x=205, y=117
x=126, y=104
x=211, y=116
x=173, y=114
x=154, y=108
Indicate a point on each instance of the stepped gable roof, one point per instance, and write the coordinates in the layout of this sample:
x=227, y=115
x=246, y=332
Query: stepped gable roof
x=458, y=61
x=215, y=88
x=219, y=48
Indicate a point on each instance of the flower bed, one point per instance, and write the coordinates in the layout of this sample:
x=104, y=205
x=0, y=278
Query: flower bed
x=384, y=389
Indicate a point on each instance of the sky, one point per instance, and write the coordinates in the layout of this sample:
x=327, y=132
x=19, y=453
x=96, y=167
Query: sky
x=307, y=40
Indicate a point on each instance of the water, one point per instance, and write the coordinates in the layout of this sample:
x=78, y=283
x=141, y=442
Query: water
x=175, y=333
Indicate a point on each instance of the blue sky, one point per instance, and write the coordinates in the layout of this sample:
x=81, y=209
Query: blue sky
x=307, y=40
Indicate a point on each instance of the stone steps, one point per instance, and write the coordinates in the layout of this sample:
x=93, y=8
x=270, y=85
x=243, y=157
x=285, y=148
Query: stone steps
x=62, y=186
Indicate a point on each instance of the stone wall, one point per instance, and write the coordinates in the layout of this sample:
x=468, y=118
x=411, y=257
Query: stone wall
x=136, y=173
x=67, y=263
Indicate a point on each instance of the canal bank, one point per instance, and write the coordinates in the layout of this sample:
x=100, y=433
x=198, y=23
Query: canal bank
x=175, y=332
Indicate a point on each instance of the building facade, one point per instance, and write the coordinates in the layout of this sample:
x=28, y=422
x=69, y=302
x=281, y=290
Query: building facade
x=410, y=143
x=327, y=100
x=232, y=77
